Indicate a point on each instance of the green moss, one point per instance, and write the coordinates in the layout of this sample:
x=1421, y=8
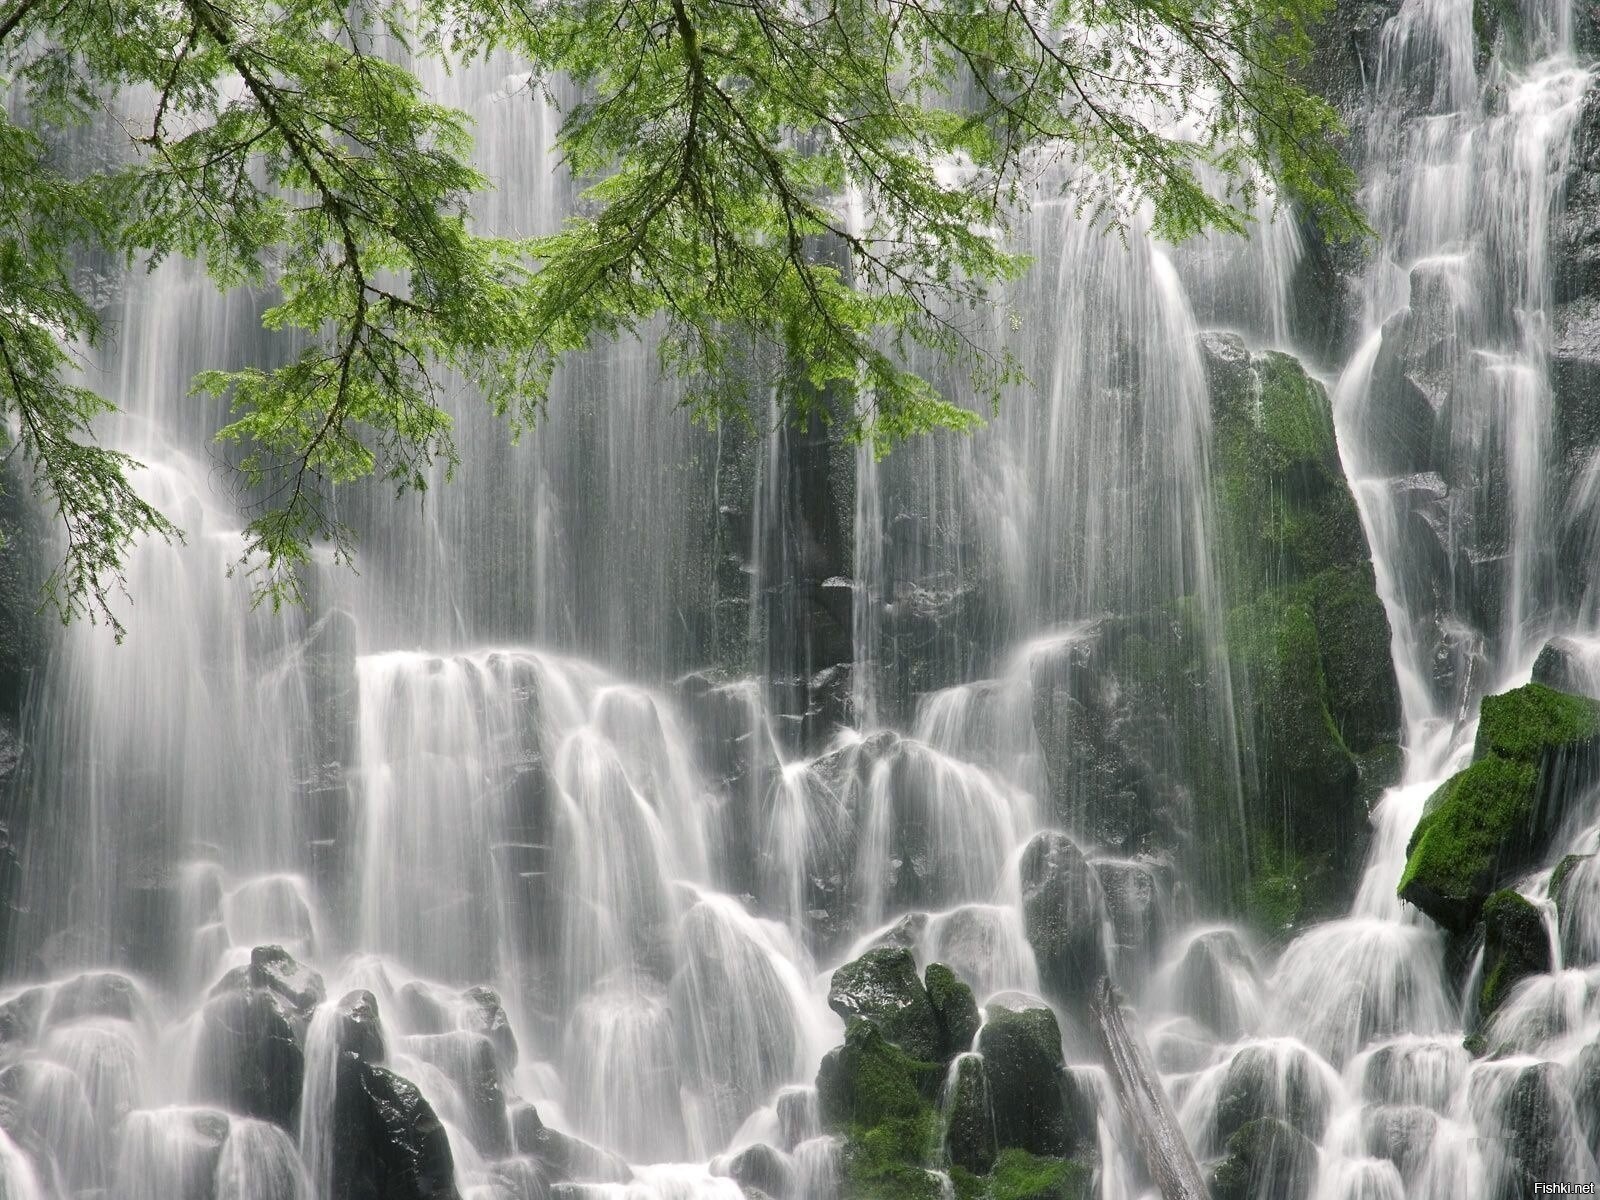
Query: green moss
x=1515, y=947
x=869, y=1081
x=1296, y=418
x=955, y=1007
x=1276, y=896
x=1525, y=724
x=1469, y=825
x=1018, y=1175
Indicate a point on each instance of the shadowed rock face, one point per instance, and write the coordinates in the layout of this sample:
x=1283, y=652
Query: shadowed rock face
x=388, y=1144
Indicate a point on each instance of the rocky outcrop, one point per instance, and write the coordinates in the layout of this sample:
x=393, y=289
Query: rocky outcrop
x=387, y=1142
x=562, y=1157
x=1535, y=747
x=1063, y=913
x=1035, y=1102
x=882, y=987
x=251, y=1053
x=1266, y=1158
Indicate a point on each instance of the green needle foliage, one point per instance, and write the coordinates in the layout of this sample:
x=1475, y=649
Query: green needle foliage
x=813, y=196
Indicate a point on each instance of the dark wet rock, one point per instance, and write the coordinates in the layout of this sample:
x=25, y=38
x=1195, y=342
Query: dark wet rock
x=101, y=994
x=969, y=1118
x=1063, y=914
x=564, y=1158
x=1540, y=1130
x=1561, y=666
x=1280, y=1083
x=762, y=1168
x=955, y=1009
x=20, y=1018
x=1134, y=900
x=469, y=1061
x=251, y=1056
x=251, y=1053
x=1402, y=1134
x=1536, y=748
x=882, y=987
x=1266, y=1158
x=1032, y=1096
x=274, y=968
x=486, y=1015
x=388, y=1144
x=1418, y=1073
x=1204, y=981
x=1515, y=946
x=360, y=1027
x=797, y=1116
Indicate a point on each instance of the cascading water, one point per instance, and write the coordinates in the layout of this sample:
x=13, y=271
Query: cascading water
x=464, y=840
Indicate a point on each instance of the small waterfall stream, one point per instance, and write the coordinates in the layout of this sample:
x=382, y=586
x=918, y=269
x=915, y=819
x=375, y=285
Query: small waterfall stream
x=562, y=812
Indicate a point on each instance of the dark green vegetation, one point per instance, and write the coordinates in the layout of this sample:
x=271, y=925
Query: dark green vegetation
x=1495, y=818
x=710, y=138
x=1012, y=1127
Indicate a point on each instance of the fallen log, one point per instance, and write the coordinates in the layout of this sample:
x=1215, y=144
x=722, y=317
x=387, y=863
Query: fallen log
x=1143, y=1100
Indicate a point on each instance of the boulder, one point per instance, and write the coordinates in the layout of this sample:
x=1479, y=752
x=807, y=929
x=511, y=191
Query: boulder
x=882, y=987
x=21, y=1018
x=1266, y=1158
x=869, y=1080
x=1031, y=1095
x=955, y=1009
x=1515, y=946
x=469, y=1061
x=969, y=1132
x=98, y=994
x=1401, y=1134
x=1278, y=1081
x=251, y=1053
x=1135, y=903
x=564, y=1158
x=762, y=1168
x=360, y=1029
x=1535, y=747
x=1063, y=914
x=387, y=1142
x=1583, y=1081
x=1567, y=666
x=1208, y=979
x=486, y=1015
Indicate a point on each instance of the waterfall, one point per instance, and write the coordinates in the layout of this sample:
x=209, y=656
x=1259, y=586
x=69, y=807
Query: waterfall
x=529, y=851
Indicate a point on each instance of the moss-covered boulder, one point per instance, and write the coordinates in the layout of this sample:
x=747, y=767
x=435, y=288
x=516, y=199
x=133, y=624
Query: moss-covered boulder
x=880, y=1100
x=969, y=1134
x=1035, y=1101
x=882, y=987
x=954, y=1007
x=1515, y=946
x=1535, y=747
x=1266, y=1160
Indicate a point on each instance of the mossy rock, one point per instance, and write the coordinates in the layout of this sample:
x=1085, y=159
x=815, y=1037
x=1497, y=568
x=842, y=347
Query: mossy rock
x=1532, y=722
x=955, y=1007
x=1515, y=946
x=869, y=1081
x=880, y=1099
x=1266, y=1158
x=882, y=987
x=1473, y=830
x=1535, y=746
x=1029, y=1087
